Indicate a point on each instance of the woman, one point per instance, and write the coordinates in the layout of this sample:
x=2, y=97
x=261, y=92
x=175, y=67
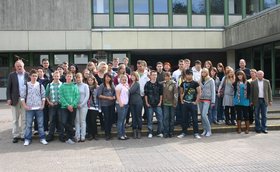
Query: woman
x=207, y=100
x=91, y=67
x=74, y=69
x=101, y=70
x=213, y=109
x=81, y=113
x=241, y=100
x=106, y=95
x=136, y=105
x=122, y=95
x=121, y=71
x=93, y=108
x=226, y=88
x=208, y=65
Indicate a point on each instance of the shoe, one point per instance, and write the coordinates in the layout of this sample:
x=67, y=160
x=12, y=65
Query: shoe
x=265, y=131
x=107, y=138
x=135, y=132
x=69, y=141
x=160, y=135
x=171, y=135
x=258, y=132
x=181, y=136
x=43, y=141
x=35, y=133
x=165, y=135
x=208, y=134
x=83, y=139
x=204, y=133
x=15, y=140
x=122, y=138
x=196, y=136
x=49, y=138
x=150, y=136
x=61, y=138
x=26, y=142
x=139, y=134
x=126, y=138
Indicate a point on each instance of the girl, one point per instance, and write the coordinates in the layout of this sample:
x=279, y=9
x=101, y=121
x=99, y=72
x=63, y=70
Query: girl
x=81, y=114
x=207, y=100
x=213, y=109
x=241, y=100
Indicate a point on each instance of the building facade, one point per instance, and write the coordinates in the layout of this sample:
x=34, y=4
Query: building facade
x=154, y=30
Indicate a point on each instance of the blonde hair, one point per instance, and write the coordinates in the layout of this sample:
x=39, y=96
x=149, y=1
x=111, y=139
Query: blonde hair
x=136, y=74
x=79, y=75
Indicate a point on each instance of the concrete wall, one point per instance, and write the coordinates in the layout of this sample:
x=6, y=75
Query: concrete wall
x=258, y=29
x=45, y=15
x=126, y=39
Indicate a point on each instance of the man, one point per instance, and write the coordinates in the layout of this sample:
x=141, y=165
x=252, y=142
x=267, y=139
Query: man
x=160, y=72
x=115, y=64
x=187, y=63
x=153, y=100
x=16, y=82
x=177, y=73
x=196, y=69
x=110, y=71
x=46, y=68
x=242, y=65
x=253, y=74
x=261, y=97
x=189, y=96
x=125, y=62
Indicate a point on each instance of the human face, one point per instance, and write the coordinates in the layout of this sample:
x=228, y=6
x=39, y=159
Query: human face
x=122, y=70
x=167, y=78
x=86, y=73
x=260, y=75
x=65, y=66
x=213, y=73
x=73, y=69
x=60, y=70
x=197, y=66
x=133, y=78
x=107, y=79
x=91, y=66
x=220, y=69
x=187, y=65
x=69, y=78
x=166, y=67
x=189, y=77
x=242, y=64
x=203, y=73
x=19, y=67
x=56, y=77
x=240, y=77
x=115, y=62
x=103, y=67
x=46, y=64
x=90, y=81
x=140, y=67
x=125, y=61
x=207, y=65
x=79, y=79
x=159, y=67
x=123, y=80
x=153, y=76
x=181, y=65
x=34, y=77
x=253, y=74
x=40, y=73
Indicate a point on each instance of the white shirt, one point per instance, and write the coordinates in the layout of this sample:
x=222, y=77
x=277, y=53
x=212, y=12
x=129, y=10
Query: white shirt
x=260, y=85
x=196, y=74
x=143, y=79
x=21, y=81
x=176, y=74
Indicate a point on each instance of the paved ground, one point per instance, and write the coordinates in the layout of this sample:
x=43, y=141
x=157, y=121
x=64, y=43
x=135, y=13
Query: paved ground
x=221, y=152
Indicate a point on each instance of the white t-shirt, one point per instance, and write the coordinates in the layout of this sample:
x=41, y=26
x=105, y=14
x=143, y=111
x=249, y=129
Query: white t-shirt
x=124, y=96
x=260, y=84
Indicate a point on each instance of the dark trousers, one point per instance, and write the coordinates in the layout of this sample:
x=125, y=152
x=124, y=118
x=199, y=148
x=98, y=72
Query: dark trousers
x=136, y=113
x=109, y=112
x=178, y=113
x=92, y=125
x=251, y=114
x=242, y=112
x=54, y=112
x=46, y=120
x=189, y=110
x=67, y=119
x=232, y=115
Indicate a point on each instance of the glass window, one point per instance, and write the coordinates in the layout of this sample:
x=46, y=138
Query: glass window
x=160, y=6
x=100, y=6
x=269, y=3
x=37, y=59
x=60, y=58
x=217, y=6
x=198, y=7
x=252, y=7
x=277, y=67
x=267, y=62
x=121, y=6
x=141, y=6
x=4, y=70
x=121, y=56
x=235, y=7
x=257, y=58
x=180, y=6
x=80, y=58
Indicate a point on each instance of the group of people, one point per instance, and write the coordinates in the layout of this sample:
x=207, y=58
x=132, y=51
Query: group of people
x=69, y=102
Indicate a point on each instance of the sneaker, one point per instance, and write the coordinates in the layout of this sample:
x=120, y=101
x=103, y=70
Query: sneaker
x=208, y=134
x=196, y=136
x=69, y=141
x=26, y=142
x=160, y=135
x=181, y=136
x=204, y=133
x=35, y=133
x=150, y=136
x=43, y=141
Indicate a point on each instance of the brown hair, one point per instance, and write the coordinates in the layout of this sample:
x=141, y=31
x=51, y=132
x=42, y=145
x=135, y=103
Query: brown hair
x=136, y=75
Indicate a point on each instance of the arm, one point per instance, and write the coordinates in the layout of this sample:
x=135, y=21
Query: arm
x=63, y=101
x=118, y=96
x=160, y=93
x=175, y=91
x=269, y=94
x=76, y=96
x=182, y=94
x=8, y=91
x=85, y=100
x=23, y=97
x=213, y=90
x=43, y=96
x=198, y=89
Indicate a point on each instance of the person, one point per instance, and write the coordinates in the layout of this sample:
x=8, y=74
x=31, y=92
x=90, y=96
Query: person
x=242, y=67
x=47, y=69
x=74, y=69
x=81, y=112
x=221, y=71
x=197, y=70
x=207, y=100
x=91, y=67
x=253, y=73
x=115, y=64
x=52, y=99
x=177, y=73
x=86, y=74
x=160, y=72
x=167, y=67
x=110, y=71
x=101, y=70
x=69, y=98
x=208, y=64
x=241, y=100
x=189, y=96
x=120, y=72
x=127, y=68
x=220, y=108
x=65, y=66
x=213, y=118
x=169, y=98
x=93, y=108
x=16, y=82
x=122, y=97
x=107, y=97
x=62, y=75
x=153, y=100
x=136, y=105
x=33, y=100
x=261, y=97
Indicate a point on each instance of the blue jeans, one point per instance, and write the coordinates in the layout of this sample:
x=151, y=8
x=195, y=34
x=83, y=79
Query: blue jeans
x=122, y=112
x=190, y=110
x=204, y=109
x=109, y=112
x=261, y=107
x=159, y=116
x=168, y=119
x=220, y=109
x=136, y=113
x=53, y=117
x=178, y=113
x=213, y=112
x=67, y=119
x=30, y=114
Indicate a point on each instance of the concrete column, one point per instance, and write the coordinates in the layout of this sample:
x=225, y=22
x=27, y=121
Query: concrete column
x=231, y=58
